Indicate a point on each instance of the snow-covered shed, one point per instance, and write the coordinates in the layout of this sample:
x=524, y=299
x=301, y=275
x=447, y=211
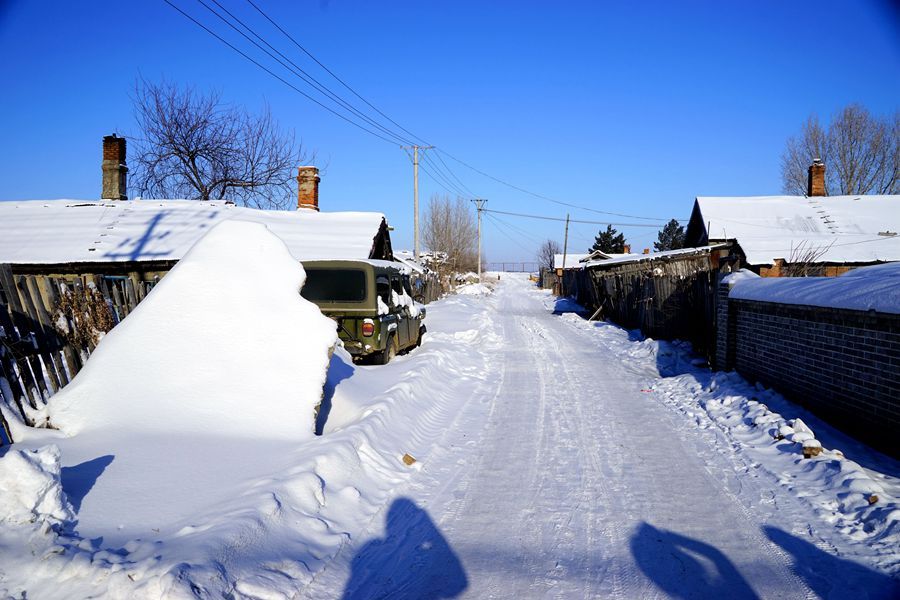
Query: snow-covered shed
x=775, y=234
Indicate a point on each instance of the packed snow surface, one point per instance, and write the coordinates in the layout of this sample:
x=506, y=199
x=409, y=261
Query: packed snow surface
x=521, y=452
x=867, y=288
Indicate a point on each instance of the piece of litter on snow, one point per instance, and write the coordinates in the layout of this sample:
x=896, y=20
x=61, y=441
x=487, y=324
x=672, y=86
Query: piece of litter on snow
x=646, y=390
x=409, y=460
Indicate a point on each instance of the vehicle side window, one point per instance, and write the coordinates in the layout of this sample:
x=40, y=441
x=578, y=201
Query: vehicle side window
x=383, y=289
x=406, y=286
x=396, y=285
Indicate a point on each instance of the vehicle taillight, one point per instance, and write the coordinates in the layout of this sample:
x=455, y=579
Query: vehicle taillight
x=368, y=329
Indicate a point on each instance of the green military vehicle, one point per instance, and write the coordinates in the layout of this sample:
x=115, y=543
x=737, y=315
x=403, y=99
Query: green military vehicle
x=371, y=302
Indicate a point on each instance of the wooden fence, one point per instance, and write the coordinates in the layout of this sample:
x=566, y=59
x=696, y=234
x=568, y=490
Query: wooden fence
x=52, y=316
x=50, y=324
x=666, y=298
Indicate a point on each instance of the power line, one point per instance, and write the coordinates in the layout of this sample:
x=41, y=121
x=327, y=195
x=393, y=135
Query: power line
x=541, y=196
x=501, y=212
x=446, y=174
x=496, y=224
x=456, y=187
x=275, y=75
x=327, y=70
x=299, y=72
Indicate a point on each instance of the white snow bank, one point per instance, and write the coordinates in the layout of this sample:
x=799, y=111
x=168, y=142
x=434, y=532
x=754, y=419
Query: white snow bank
x=474, y=289
x=31, y=489
x=740, y=275
x=761, y=432
x=867, y=288
x=223, y=345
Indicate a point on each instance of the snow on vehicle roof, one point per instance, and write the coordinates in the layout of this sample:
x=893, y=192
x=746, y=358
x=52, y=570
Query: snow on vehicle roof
x=63, y=231
x=867, y=288
x=847, y=229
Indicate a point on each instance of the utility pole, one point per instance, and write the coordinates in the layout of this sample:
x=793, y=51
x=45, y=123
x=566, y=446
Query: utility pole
x=479, y=202
x=566, y=241
x=415, y=150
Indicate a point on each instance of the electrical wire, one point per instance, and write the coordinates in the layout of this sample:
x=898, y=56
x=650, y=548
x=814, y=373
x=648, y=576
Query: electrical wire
x=449, y=180
x=275, y=75
x=541, y=196
x=295, y=69
x=501, y=212
x=327, y=70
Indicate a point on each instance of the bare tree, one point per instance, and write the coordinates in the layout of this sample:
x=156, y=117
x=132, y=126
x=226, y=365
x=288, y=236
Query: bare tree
x=804, y=260
x=861, y=153
x=547, y=253
x=450, y=230
x=192, y=145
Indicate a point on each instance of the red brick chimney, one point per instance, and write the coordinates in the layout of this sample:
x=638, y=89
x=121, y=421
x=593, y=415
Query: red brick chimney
x=308, y=188
x=627, y=249
x=114, y=169
x=815, y=185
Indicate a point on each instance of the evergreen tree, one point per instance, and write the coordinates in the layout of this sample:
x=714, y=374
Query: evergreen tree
x=671, y=237
x=609, y=241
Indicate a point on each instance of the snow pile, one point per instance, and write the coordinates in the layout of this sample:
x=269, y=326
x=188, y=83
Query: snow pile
x=474, y=289
x=868, y=288
x=223, y=345
x=740, y=275
x=32, y=492
x=199, y=509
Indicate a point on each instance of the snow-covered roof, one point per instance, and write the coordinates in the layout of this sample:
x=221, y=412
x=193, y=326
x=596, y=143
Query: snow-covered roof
x=406, y=257
x=63, y=231
x=867, y=288
x=572, y=260
x=847, y=229
x=621, y=259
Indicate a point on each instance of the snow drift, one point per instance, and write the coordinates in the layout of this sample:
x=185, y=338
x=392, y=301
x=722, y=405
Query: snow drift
x=32, y=492
x=223, y=345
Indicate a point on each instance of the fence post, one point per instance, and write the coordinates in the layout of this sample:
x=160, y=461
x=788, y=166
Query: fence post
x=726, y=329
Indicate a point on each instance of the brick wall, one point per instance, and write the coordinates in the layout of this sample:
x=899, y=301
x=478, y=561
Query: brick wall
x=843, y=365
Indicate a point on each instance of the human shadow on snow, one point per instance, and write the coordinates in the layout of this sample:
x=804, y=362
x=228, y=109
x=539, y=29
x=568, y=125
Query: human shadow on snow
x=683, y=567
x=832, y=577
x=78, y=480
x=412, y=561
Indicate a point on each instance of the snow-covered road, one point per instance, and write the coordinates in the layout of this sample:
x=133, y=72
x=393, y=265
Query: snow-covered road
x=570, y=479
x=521, y=452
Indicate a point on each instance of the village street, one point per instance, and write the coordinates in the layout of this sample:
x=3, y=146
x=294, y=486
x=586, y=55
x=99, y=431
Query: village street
x=569, y=478
x=521, y=452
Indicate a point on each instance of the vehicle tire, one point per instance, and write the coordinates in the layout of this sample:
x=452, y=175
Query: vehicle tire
x=386, y=355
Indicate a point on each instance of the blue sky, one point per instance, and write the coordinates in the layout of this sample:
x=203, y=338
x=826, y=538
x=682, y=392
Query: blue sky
x=631, y=108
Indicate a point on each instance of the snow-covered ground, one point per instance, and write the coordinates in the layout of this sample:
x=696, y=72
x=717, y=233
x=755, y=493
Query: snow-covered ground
x=520, y=452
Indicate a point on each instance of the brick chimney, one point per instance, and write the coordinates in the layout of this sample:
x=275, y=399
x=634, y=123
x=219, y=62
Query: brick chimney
x=114, y=169
x=308, y=188
x=815, y=185
x=627, y=249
